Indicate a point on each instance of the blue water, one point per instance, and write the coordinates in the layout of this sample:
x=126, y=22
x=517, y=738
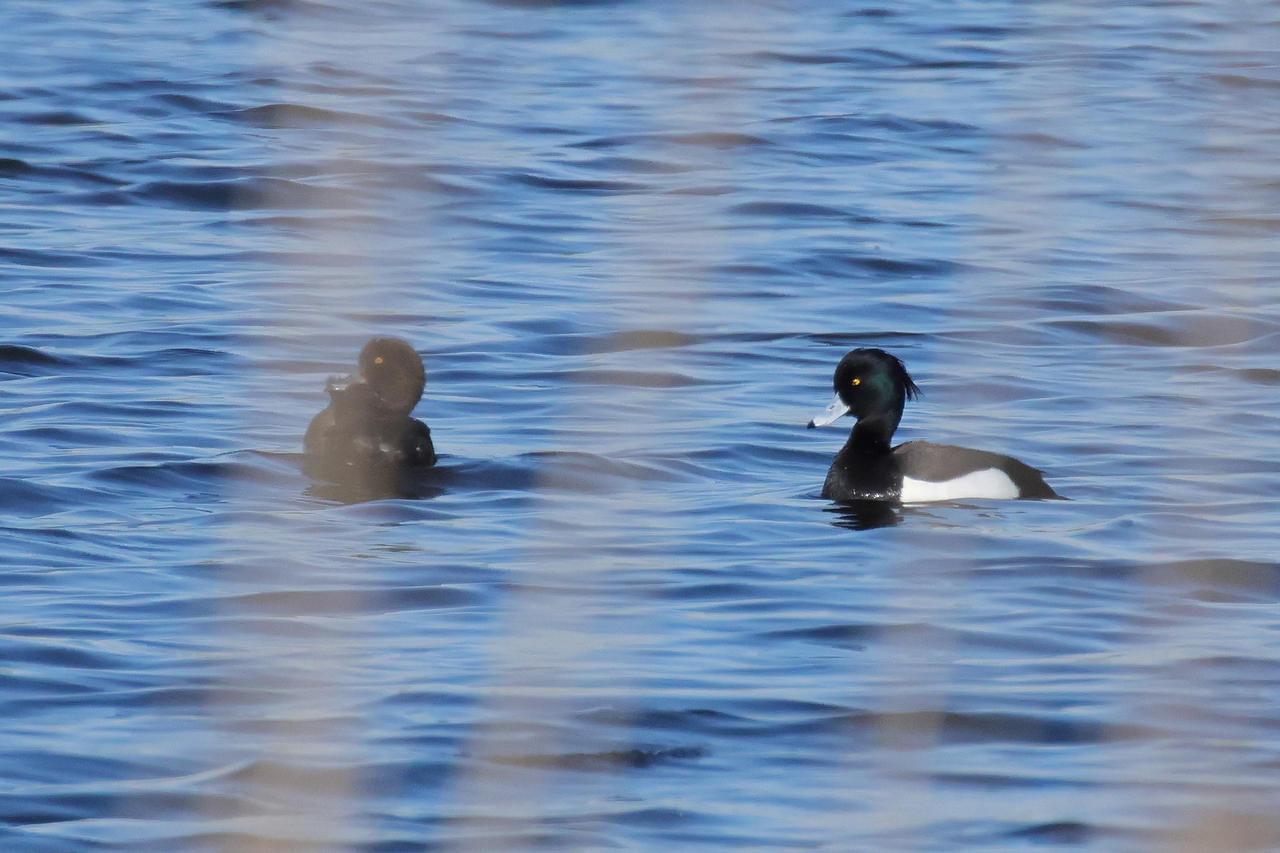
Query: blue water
x=631, y=241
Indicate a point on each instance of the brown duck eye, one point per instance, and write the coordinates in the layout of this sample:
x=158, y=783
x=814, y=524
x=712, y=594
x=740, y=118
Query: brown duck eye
x=378, y=360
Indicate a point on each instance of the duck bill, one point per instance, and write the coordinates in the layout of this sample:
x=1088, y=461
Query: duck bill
x=837, y=408
x=341, y=384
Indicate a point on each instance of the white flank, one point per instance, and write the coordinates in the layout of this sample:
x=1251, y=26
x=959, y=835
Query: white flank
x=987, y=483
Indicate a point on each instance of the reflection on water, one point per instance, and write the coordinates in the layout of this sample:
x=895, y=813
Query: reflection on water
x=357, y=488
x=865, y=515
x=630, y=242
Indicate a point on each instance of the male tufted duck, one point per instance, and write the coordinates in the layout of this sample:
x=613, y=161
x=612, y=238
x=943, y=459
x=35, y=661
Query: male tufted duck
x=873, y=386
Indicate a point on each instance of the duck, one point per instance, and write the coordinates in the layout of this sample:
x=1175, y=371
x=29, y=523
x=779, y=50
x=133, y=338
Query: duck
x=873, y=386
x=366, y=430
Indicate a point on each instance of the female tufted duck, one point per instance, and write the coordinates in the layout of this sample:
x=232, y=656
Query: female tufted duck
x=366, y=428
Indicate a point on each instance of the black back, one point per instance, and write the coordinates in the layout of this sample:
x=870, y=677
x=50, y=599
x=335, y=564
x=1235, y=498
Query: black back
x=923, y=460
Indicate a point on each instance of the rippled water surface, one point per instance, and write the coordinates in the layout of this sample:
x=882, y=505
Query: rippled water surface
x=631, y=240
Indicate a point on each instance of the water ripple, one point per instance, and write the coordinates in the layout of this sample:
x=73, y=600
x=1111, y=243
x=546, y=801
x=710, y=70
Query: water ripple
x=631, y=242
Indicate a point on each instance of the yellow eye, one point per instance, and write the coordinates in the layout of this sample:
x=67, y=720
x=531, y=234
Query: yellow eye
x=856, y=381
x=378, y=360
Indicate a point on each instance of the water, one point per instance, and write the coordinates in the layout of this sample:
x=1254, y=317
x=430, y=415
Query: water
x=631, y=241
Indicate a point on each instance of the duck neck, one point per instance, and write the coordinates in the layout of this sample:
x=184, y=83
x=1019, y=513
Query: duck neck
x=872, y=434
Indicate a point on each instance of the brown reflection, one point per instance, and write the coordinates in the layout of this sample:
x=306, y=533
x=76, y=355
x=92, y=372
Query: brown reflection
x=373, y=485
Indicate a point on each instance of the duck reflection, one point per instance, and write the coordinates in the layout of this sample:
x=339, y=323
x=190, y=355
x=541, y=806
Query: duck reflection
x=865, y=515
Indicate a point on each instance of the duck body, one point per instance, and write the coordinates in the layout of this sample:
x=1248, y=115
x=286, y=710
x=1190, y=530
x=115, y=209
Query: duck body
x=873, y=386
x=346, y=436
x=366, y=429
x=922, y=472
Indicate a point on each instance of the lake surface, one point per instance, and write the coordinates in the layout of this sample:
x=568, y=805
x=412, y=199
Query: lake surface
x=631, y=242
